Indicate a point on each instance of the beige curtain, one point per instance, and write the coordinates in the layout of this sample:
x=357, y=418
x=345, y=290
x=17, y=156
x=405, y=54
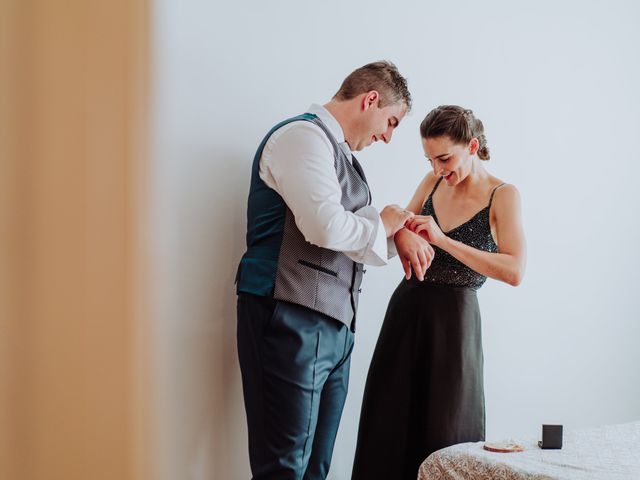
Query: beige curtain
x=73, y=355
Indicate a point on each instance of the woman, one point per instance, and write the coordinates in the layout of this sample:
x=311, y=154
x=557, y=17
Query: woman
x=425, y=388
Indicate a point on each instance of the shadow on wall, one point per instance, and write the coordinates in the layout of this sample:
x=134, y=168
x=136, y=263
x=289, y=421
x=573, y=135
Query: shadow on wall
x=203, y=432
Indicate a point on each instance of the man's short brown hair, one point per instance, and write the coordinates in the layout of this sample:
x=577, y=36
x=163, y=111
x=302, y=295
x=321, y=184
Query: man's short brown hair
x=382, y=77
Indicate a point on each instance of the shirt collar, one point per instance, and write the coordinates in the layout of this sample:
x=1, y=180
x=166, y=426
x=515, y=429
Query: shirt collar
x=332, y=124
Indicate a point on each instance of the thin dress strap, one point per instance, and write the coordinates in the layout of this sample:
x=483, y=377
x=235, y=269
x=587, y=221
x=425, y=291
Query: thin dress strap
x=434, y=188
x=493, y=192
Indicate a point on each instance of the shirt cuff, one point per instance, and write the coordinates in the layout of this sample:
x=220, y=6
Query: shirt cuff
x=375, y=253
x=392, y=251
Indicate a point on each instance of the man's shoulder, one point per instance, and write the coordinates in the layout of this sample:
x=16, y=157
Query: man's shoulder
x=299, y=134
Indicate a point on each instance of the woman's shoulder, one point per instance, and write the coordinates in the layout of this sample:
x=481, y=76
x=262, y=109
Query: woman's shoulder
x=503, y=193
x=426, y=185
x=429, y=181
x=499, y=185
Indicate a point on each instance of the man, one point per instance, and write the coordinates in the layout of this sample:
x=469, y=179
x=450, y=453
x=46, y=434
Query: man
x=310, y=230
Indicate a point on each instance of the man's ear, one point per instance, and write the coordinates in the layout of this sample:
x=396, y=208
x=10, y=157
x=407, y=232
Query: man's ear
x=474, y=145
x=371, y=99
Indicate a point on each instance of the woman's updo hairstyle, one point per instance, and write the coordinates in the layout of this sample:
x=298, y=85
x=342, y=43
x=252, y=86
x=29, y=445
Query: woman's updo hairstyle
x=457, y=123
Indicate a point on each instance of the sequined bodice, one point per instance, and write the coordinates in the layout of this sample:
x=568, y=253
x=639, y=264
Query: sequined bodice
x=475, y=232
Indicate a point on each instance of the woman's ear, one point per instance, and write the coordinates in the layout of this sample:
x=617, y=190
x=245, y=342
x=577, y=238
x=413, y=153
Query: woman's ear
x=474, y=145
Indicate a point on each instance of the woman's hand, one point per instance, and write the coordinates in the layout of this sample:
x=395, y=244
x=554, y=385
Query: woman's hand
x=414, y=252
x=427, y=228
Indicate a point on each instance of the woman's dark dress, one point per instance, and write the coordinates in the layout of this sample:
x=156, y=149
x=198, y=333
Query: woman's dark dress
x=424, y=389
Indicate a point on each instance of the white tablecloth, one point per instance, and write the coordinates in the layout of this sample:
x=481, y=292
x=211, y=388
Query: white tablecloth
x=609, y=453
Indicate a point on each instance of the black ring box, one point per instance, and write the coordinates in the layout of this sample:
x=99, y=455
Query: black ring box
x=551, y=437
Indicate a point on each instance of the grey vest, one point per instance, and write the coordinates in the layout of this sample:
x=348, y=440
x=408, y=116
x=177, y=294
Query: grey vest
x=317, y=278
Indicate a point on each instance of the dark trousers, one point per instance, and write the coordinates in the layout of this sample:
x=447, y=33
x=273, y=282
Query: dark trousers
x=295, y=370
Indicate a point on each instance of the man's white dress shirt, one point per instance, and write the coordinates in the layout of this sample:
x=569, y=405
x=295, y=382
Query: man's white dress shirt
x=298, y=163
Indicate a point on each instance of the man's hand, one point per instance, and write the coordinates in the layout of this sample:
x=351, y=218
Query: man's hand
x=393, y=218
x=414, y=251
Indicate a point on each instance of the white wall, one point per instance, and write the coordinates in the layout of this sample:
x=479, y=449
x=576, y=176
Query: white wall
x=556, y=85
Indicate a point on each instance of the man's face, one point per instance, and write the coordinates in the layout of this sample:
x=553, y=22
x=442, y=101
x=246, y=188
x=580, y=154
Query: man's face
x=377, y=124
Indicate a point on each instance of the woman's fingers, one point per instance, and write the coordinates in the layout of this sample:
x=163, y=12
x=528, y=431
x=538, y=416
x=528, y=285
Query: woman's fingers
x=424, y=263
x=415, y=253
x=423, y=231
x=417, y=266
x=417, y=220
x=430, y=253
x=422, y=228
x=406, y=266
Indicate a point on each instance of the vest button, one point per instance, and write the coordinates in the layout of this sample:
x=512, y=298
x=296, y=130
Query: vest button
x=364, y=270
x=359, y=290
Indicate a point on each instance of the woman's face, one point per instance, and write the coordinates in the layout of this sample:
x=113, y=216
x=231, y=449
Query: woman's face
x=449, y=160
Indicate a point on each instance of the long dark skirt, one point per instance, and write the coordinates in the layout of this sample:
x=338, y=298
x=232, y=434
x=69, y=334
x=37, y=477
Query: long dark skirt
x=424, y=389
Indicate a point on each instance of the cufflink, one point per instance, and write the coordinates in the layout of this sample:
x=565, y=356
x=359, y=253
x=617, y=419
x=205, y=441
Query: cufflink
x=551, y=437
